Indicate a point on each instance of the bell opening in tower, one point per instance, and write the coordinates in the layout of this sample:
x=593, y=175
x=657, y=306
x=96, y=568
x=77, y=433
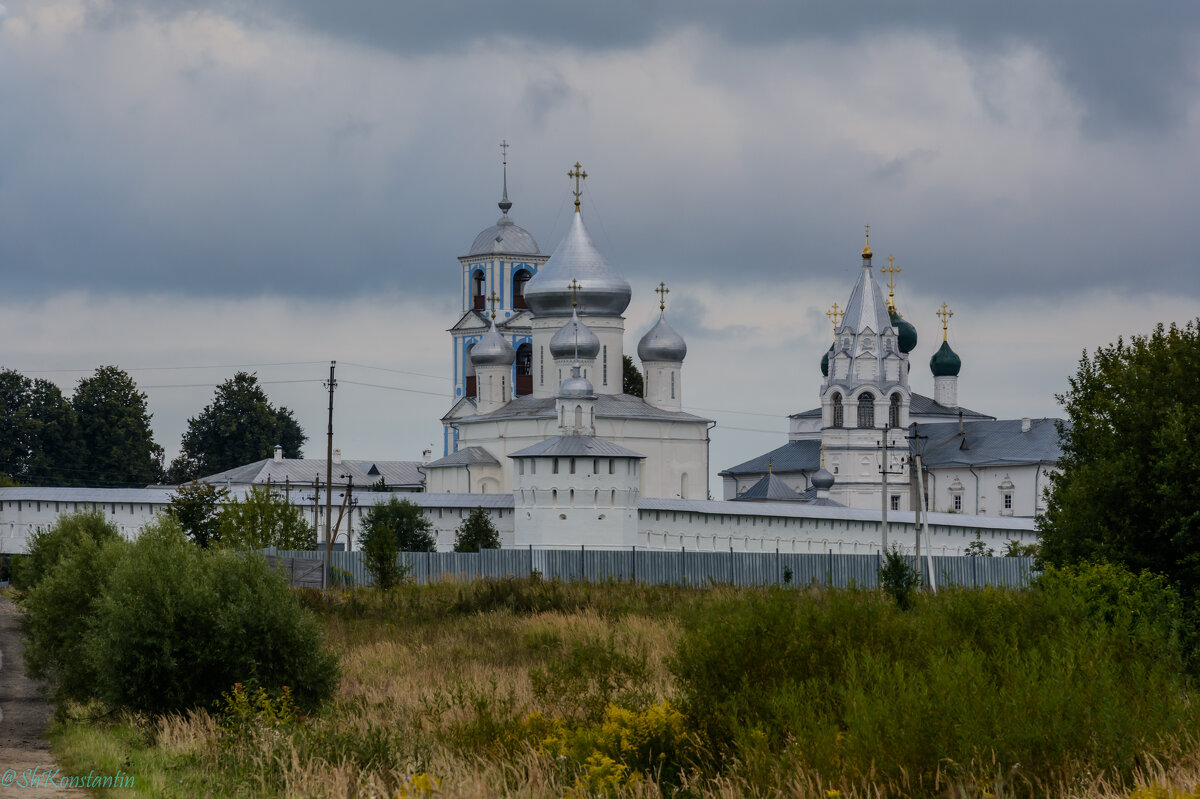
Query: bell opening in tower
x=478, y=302
x=521, y=277
x=524, y=382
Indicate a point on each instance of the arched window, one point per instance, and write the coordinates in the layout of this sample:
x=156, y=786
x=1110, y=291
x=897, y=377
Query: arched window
x=477, y=283
x=866, y=410
x=520, y=278
x=894, y=411
x=578, y=416
x=524, y=369
x=838, y=414
x=469, y=372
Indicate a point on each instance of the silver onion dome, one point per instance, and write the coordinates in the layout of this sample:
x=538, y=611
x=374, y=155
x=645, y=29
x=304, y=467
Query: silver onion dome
x=493, y=350
x=662, y=343
x=575, y=340
x=602, y=292
x=822, y=480
x=505, y=237
x=576, y=385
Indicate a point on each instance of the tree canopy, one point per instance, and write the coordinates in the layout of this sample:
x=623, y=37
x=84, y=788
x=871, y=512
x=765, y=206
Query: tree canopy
x=117, y=445
x=404, y=521
x=39, y=432
x=476, y=532
x=197, y=506
x=632, y=382
x=240, y=426
x=261, y=519
x=1128, y=489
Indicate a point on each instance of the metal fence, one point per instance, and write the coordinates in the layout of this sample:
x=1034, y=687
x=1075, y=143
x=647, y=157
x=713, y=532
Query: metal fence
x=676, y=567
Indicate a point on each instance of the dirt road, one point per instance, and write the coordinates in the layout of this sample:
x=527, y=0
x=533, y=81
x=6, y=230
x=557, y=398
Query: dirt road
x=23, y=720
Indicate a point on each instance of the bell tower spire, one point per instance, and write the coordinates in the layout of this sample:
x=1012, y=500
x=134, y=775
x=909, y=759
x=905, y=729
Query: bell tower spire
x=504, y=203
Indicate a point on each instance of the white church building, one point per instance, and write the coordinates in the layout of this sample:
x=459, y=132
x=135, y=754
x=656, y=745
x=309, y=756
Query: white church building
x=541, y=435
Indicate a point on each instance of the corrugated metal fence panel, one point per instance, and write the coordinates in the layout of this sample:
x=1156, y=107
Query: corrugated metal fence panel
x=686, y=567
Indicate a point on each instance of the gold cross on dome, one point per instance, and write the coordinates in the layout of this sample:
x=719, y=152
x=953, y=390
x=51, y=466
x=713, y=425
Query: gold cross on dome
x=944, y=314
x=493, y=299
x=574, y=287
x=891, y=270
x=578, y=174
x=835, y=315
x=770, y=465
x=662, y=291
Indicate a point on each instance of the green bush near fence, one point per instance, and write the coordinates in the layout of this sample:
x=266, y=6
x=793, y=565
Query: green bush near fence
x=159, y=625
x=999, y=686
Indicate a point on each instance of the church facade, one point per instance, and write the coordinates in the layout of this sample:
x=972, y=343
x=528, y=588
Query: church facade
x=513, y=366
x=870, y=421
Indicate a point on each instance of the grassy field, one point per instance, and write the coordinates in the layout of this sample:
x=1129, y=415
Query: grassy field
x=540, y=689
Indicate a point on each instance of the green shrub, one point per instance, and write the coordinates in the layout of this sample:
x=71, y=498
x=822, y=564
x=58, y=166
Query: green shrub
x=59, y=611
x=46, y=547
x=404, y=520
x=898, y=578
x=1028, y=686
x=177, y=626
x=381, y=551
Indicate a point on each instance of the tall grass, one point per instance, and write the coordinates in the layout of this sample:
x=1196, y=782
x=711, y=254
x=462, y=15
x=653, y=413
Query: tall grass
x=540, y=689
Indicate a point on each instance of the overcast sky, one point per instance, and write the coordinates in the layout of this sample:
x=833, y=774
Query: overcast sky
x=290, y=181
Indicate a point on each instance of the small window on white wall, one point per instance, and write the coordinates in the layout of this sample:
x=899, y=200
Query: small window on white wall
x=958, y=501
x=1008, y=501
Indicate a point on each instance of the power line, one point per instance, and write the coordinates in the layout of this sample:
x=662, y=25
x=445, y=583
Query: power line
x=394, y=388
x=169, y=368
x=210, y=385
x=397, y=371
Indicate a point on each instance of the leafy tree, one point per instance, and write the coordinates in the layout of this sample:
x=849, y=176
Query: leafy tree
x=46, y=548
x=631, y=382
x=117, y=444
x=197, y=506
x=1128, y=486
x=1015, y=549
x=405, y=521
x=39, y=432
x=261, y=519
x=978, y=549
x=476, y=532
x=380, y=551
x=240, y=426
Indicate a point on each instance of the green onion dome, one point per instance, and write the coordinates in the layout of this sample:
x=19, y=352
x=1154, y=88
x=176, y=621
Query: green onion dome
x=906, y=333
x=945, y=362
x=825, y=361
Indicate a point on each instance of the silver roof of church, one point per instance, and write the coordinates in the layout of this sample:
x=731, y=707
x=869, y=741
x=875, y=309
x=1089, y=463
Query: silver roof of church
x=505, y=238
x=577, y=446
x=493, y=349
x=602, y=292
x=575, y=337
x=608, y=406
x=662, y=343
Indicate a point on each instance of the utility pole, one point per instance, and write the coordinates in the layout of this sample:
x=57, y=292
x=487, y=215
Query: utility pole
x=332, y=384
x=884, y=471
x=917, y=484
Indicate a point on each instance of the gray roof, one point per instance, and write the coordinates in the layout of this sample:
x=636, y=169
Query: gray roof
x=398, y=474
x=920, y=405
x=608, y=406
x=153, y=495
x=815, y=510
x=576, y=446
x=769, y=489
x=504, y=238
x=602, y=292
x=865, y=308
x=794, y=456
x=471, y=456
x=990, y=443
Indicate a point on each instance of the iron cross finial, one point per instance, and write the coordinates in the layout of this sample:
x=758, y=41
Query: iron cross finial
x=662, y=291
x=493, y=299
x=574, y=287
x=578, y=174
x=944, y=314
